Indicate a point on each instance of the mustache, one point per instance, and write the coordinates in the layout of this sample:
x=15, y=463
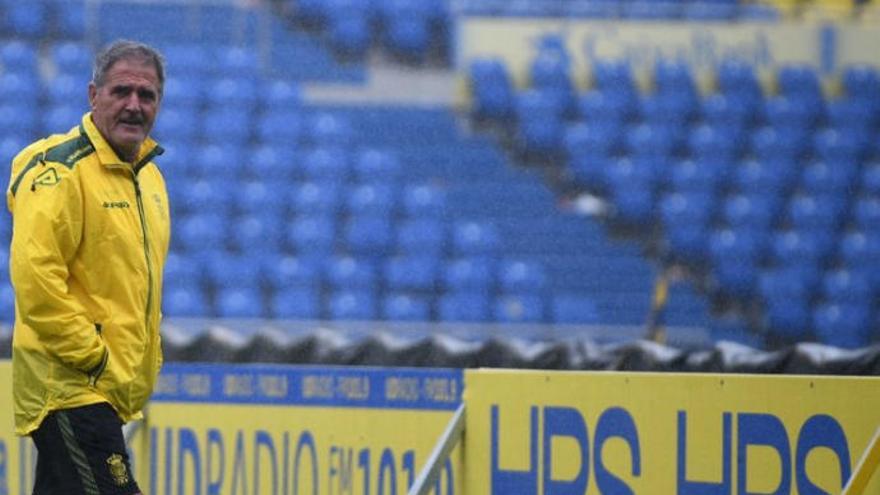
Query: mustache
x=132, y=118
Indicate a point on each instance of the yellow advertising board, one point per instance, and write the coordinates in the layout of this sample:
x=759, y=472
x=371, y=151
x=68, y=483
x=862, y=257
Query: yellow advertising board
x=619, y=433
x=251, y=429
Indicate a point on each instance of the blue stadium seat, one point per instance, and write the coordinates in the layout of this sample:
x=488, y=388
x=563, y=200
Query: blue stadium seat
x=280, y=94
x=735, y=255
x=281, y=271
x=238, y=62
x=519, y=308
x=238, y=302
x=699, y=176
x=833, y=145
x=369, y=234
x=707, y=142
x=847, y=285
x=736, y=77
x=673, y=110
x=180, y=270
x=349, y=29
x=769, y=143
x=69, y=19
x=417, y=272
x=469, y=274
x=550, y=71
x=786, y=282
x=521, y=276
x=352, y=305
x=20, y=120
x=492, y=89
x=271, y=161
x=539, y=121
x=800, y=82
x=794, y=244
x=425, y=201
x=852, y=114
x=315, y=198
x=226, y=125
x=822, y=211
x=773, y=177
x=866, y=213
x=423, y=235
x=608, y=107
x=326, y=164
x=217, y=161
x=205, y=195
x=183, y=93
x=376, y=166
x=836, y=178
x=280, y=126
x=845, y=325
x=720, y=110
x=176, y=124
x=346, y=272
x=184, y=301
x=300, y=303
x=788, y=317
x=405, y=307
x=685, y=219
x=71, y=57
x=614, y=76
x=312, y=234
x=19, y=57
x=572, y=308
x=67, y=89
x=235, y=93
x=657, y=141
x=328, y=129
x=200, y=230
x=472, y=238
x=464, y=306
x=592, y=139
x=255, y=196
x=257, y=233
x=371, y=199
x=26, y=20
x=407, y=32
x=188, y=59
x=861, y=82
x=754, y=209
x=783, y=112
x=226, y=270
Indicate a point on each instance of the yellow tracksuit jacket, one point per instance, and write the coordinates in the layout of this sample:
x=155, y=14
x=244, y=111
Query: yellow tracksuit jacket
x=90, y=237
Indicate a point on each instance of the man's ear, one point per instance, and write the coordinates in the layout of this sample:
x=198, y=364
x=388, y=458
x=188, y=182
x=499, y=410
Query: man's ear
x=93, y=95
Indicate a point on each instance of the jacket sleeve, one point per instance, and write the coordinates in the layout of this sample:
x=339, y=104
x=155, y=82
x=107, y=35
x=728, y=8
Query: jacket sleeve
x=47, y=209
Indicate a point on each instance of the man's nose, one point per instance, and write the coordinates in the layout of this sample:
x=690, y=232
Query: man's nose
x=132, y=102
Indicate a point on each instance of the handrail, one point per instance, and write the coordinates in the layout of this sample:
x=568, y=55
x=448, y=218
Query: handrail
x=450, y=438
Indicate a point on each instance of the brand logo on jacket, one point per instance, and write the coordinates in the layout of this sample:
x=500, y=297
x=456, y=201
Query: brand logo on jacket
x=116, y=204
x=48, y=177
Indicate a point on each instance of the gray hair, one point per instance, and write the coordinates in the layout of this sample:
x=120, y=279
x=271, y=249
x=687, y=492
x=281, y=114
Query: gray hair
x=127, y=50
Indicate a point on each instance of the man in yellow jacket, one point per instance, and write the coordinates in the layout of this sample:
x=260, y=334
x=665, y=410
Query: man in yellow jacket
x=90, y=237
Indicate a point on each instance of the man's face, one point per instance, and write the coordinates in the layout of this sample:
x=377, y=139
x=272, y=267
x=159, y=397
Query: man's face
x=125, y=106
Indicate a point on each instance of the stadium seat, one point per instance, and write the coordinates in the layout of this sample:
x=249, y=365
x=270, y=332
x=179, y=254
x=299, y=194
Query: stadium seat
x=280, y=271
x=371, y=199
x=371, y=166
x=735, y=255
x=790, y=144
x=369, y=234
x=835, y=178
x=199, y=230
x=519, y=308
x=472, y=238
x=786, y=282
x=822, y=211
x=183, y=301
x=574, y=309
x=861, y=82
x=264, y=161
x=521, y=276
x=720, y=110
x=25, y=20
x=71, y=57
x=226, y=125
x=845, y=325
x=788, y=317
x=315, y=198
x=464, y=306
x=417, y=272
x=69, y=19
x=188, y=59
x=256, y=233
x=405, y=307
x=312, y=234
x=238, y=302
x=610, y=107
x=180, y=270
x=19, y=57
x=866, y=213
x=280, y=94
x=716, y=143
x=770, y=177
x=845, y=285
x=834, y=145
x=301, y=303
x=492, y=90
x=254, y=196
x=753, y=209
x=326, y=164
x=21, y=88
x=592, y=139
x=424, y=201
x=804, y=245
x=230, y=91
x=422, y=236
x=280, y=126
x=349, y=30
x=233, y=61
x=346, y=272
x=656, y=141
x=352, y=305
x=326, y=129
x=469, y=274
x=224, y=269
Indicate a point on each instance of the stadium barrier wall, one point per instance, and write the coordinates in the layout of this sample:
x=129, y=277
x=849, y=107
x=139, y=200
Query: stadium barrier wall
x=273, y=429
x=826, y=46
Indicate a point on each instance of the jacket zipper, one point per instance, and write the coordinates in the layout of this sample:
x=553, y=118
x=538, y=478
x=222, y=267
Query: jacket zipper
x=143, y=218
